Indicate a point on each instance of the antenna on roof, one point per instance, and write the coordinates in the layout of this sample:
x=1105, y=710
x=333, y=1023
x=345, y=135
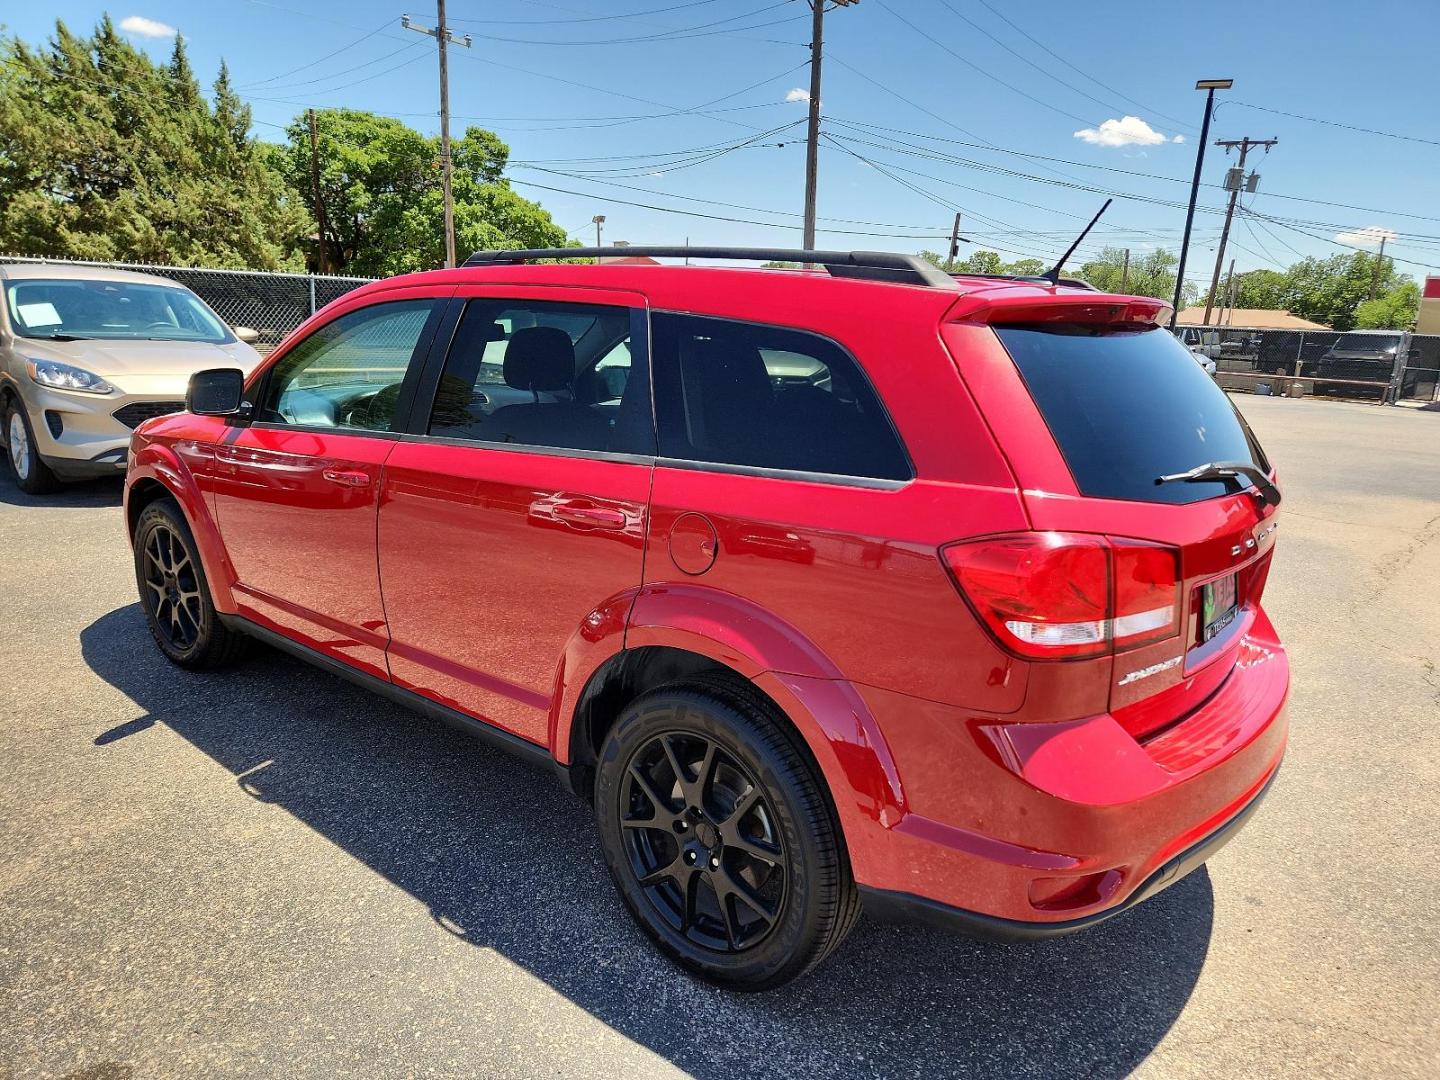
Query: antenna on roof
x=1053, y=274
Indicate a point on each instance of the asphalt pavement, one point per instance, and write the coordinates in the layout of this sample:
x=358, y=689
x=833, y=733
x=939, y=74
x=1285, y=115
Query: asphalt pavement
x=268, y=872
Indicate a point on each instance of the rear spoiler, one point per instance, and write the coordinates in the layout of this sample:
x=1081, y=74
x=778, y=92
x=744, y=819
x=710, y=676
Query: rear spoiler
x=1011, y=306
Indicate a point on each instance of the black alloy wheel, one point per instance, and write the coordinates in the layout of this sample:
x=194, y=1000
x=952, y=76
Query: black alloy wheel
x=718, y=834
x=702, y=841
x=173, y=587
x=174, y=594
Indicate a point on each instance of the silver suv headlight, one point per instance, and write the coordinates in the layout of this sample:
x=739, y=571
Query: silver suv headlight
x=60, y=376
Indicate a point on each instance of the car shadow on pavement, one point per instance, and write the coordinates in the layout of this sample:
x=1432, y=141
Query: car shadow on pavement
x=84, y=495
x=505, y=858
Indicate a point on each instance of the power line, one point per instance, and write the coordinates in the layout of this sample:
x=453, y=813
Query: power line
x=1080, y=71
x=310, y=65
x=589, y=18
x=1336, y=123
x=676, y=34
x=344, y=71
x=709, y=217
x=1021, y=57
x=988, y=74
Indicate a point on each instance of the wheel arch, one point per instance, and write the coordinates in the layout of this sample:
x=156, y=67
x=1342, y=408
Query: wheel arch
x=157, y=473
x=722, y=636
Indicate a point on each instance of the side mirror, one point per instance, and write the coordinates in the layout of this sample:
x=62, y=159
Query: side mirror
x=247, y=334
x=216, y=392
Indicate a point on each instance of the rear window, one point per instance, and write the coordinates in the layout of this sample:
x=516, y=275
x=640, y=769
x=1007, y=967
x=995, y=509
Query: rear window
x=1126, y=407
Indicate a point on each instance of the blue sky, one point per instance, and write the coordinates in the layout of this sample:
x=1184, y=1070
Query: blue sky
x=931, y=107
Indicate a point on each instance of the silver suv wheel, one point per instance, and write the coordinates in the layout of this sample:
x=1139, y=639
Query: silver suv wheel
x=19, y=445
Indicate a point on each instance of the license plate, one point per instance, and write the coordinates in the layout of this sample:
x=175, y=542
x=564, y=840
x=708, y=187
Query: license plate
x=1217, y=606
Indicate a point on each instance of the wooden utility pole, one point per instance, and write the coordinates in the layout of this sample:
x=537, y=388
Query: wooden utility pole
x=812, y=136
x=315, y=194
x=1229, y=300
x=1375, y=273
x=955, y=240
x=1125, y=273
x=1245, y=146
x=441, y=34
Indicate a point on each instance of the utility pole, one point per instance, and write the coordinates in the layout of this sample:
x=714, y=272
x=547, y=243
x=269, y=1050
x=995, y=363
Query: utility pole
x=442, y=35
x=1229, y=300
x=1125, y=273
x=598, y=220
x=955, y=240
x=1234, y=180
x=1375, y=274
x=315, y=193
x=1210, y=86
x=812, y=146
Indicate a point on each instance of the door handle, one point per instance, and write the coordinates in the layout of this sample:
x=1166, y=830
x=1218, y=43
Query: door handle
x=347, y=477
x=597, y=517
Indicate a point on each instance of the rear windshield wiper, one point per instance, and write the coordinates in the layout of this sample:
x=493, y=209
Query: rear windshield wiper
x=1228, y=470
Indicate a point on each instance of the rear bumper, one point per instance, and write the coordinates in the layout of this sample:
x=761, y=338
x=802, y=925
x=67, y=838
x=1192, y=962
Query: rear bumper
x=1027, y=829
x=907, y=908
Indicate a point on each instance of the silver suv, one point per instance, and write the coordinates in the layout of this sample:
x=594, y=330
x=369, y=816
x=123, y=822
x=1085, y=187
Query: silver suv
x=87, y=354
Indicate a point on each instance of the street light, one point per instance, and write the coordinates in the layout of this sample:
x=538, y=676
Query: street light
x=1209, y=86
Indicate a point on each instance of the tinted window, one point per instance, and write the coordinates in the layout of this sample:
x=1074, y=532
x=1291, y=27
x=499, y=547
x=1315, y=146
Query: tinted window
x=70, y=307
x=348, y=373
x=535, y=373
x=1127, y=407
x=744, y=394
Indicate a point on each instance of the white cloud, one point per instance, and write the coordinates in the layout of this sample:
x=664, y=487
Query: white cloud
x=1127, y=131
x=798, y=95
x=1368, y=237
x=138, y=24
x=1178, y=138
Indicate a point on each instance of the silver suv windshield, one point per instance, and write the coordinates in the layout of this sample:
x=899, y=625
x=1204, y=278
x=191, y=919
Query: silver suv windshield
x=71, y=308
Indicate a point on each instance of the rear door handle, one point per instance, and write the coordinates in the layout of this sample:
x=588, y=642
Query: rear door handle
x=347, y=477
x=598, y=517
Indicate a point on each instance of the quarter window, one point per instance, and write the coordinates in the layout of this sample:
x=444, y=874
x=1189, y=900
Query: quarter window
x=348, y=373
x=543, y=374
x=740, y=393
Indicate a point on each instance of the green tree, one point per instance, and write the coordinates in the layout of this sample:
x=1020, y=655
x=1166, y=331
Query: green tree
x=1150, y=273
x=1331, y=290
x=1394, y=310
x=107, y=155
x=986, y=263
x=380, y=188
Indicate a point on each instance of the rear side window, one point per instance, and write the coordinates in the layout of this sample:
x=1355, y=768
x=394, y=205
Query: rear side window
x=737, y=393
x=1127, y=407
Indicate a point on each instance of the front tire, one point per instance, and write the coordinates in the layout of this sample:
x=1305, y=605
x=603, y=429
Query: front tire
x=175, y=595
x=719, y=838
x=32, y=475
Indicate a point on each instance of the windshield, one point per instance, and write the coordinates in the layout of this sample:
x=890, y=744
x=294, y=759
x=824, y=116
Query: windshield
x=73, y=308
x=1127, y=407
x=1366, y=343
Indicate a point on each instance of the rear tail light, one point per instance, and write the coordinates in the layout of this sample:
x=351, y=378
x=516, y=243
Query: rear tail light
x=1054, y=596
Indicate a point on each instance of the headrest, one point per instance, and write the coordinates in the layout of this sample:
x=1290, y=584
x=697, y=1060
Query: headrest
x=731, y=372
x=539, y=358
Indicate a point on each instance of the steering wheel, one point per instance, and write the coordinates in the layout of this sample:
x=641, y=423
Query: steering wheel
x=376, y=412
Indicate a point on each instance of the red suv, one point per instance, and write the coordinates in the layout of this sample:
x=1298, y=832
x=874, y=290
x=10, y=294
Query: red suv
x=853, y=585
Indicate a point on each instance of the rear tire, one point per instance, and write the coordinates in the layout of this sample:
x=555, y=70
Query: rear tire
x=175, y=595
x=32, y=475
x=719, y=838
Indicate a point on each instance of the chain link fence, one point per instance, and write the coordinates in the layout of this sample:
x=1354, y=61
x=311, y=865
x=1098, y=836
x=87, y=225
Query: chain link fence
x=272, y=304
x=1377, y=365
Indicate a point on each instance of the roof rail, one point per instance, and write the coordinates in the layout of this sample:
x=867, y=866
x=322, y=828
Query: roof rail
x=871, y=265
